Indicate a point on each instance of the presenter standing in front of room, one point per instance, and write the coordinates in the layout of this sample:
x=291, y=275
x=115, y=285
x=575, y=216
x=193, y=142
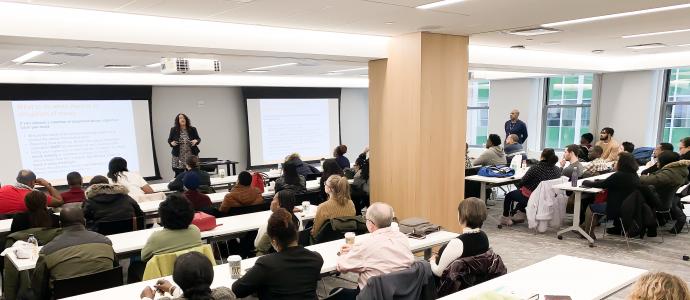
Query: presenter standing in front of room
x=516, y=126
x=184, y=140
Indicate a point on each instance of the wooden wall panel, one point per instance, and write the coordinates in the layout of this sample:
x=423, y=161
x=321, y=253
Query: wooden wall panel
x=417, y=117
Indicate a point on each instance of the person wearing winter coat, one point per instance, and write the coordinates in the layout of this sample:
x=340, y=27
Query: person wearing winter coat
x=493, y=155
x=107, y=202
x=672, y=174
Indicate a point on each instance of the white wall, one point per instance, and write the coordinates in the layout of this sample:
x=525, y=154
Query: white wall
x=629, y=103
x=522, y=94
x=222, y=123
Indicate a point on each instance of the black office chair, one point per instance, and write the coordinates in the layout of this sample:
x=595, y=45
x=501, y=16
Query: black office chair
x=335, y=228
x=64, y=288
x=235, y=211
x=209, y=169
x=472, y=188
x=120, y=226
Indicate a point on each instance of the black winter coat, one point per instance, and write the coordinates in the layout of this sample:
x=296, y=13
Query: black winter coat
x=109, y=202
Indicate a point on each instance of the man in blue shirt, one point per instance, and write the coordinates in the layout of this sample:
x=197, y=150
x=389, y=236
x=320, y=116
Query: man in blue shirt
x=516, y=126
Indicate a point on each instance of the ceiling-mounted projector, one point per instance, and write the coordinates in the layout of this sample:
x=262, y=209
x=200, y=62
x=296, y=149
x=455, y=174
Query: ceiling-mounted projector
x=189, y=66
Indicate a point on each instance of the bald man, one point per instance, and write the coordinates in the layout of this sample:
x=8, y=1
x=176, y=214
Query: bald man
x=75, y=252
x=12, y=196
x=516, y=126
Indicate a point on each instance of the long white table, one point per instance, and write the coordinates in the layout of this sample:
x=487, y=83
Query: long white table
x=579, y=278
x=577, y=191
x=495, y=181
x=134, y=241
x=222, y=277
x=215, y=181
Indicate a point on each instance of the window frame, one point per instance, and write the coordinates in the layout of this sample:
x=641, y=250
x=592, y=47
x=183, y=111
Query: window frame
x=479, y=108
x=546, y=106
x=666, y=105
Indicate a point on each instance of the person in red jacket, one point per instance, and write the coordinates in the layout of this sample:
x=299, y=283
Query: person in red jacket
x=12, y=196
x=75, y=192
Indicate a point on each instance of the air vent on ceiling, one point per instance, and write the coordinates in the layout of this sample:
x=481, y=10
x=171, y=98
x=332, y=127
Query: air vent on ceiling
x=646, y=46
x=70, y=54
x=517, y=47
x=533, y=31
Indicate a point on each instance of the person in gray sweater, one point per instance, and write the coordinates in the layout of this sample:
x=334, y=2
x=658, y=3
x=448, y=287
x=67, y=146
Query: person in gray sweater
x=571, y=155
x=493, y=155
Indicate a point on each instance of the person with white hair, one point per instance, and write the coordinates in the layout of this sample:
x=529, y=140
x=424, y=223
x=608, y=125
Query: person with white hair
x=385, y=251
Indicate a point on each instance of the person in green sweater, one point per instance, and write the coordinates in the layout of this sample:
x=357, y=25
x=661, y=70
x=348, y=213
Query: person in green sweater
x=178, y=233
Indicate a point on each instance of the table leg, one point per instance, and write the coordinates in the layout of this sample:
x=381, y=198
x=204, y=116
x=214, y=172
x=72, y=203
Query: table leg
x=427, y=254
x=576, y=220
x=482, y=192
x=234, y=168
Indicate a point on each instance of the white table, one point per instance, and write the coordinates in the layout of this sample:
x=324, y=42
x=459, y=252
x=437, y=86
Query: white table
x=579, y=278
x=577, y=191
x=494, y=181
x=134, y=241
x=215, y=181
x=328, y=252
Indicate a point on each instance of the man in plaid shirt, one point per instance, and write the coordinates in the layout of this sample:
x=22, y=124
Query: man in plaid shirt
x=597, y=165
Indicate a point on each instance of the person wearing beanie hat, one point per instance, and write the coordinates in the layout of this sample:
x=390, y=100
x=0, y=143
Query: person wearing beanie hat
x=199, y=201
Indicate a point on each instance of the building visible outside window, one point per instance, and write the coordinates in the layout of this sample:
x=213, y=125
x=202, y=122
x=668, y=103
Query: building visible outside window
x=676, y=110
x=477, y=112
x=567, y=109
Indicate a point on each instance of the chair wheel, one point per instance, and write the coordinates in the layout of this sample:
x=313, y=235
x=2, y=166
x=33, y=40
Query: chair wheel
x=560, y=237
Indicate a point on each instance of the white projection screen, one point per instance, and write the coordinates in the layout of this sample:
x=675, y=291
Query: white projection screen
x=53, y=137
x=278, y=127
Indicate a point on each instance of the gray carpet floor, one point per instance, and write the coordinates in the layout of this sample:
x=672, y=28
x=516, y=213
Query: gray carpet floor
x=520, y=247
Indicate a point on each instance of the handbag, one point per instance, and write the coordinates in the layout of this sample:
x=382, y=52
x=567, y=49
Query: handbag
x=417, y=226
x=496, y=171
x=259, y=181
x=204, y=221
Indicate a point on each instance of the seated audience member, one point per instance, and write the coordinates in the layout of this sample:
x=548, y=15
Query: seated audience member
x=199, y=201
x=302, y=168
x=338, y=204
x=242, y=194
x=608, y=144
x=293, y=272
x=291, y=179
x=386, y=250
x=339, y=154
x=585, y=144
x=652, y=165
x=330, y=167
x=76, y=252
x=178, y=233
x=597, y=165
x=513, y=148
x=284, y=199
x=360, y=184
x=75, y=192
x=119, y=174
x=672, y=174
x=12, y=196
x=684, y=149
x=473, y=241
x=658, y=286
x=37, y=216
x=571, y=155
x=107, y=203
x=193, y=272
x=544, y=170
x=192, y=164
x=628, y=147
x=493, y=155
x=619, y=186
x=468, y=161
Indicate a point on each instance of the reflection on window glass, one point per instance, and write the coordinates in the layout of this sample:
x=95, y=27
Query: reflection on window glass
x=567, y=109
x=477, y=112
x=677, y=113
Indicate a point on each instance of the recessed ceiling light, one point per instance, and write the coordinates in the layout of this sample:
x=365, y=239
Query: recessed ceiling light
x=364, y=75
x=655, y=33
x=154, y=65
x=598, y=51
x=332, y=73
x=438, y=4
x=646, y=46
x=273, y=66
x=684, y=45
x=619, y=15
x=27, y=56
x=41, y=64
x=389, y=23
x=256, y=71
x=118, y=66
x=350, y=70
x=533, y=31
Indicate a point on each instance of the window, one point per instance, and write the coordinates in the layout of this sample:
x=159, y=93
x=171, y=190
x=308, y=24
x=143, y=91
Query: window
x=567, y=109
x=477, y=112
x=676, y=109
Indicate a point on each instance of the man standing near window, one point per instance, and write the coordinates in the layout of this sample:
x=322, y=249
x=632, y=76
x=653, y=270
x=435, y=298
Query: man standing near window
x=516, y=126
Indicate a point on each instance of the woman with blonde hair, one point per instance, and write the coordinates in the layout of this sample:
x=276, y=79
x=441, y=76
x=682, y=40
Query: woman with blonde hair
x=660, y=286
x=337, y=205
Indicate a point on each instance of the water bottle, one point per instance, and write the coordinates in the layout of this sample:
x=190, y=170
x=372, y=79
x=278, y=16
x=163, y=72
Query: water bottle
x=32, y=240
x=574, y=177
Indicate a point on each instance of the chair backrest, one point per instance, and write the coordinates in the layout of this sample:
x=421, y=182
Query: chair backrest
x=163, y=264
x=472, y=171
x=466, y=272
x=335, y=228
x=235, y=211
x=312, y=177
x=207, y=168
x=415, y=282
x=312, y=196
x=64, y=288
x=120, y=226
